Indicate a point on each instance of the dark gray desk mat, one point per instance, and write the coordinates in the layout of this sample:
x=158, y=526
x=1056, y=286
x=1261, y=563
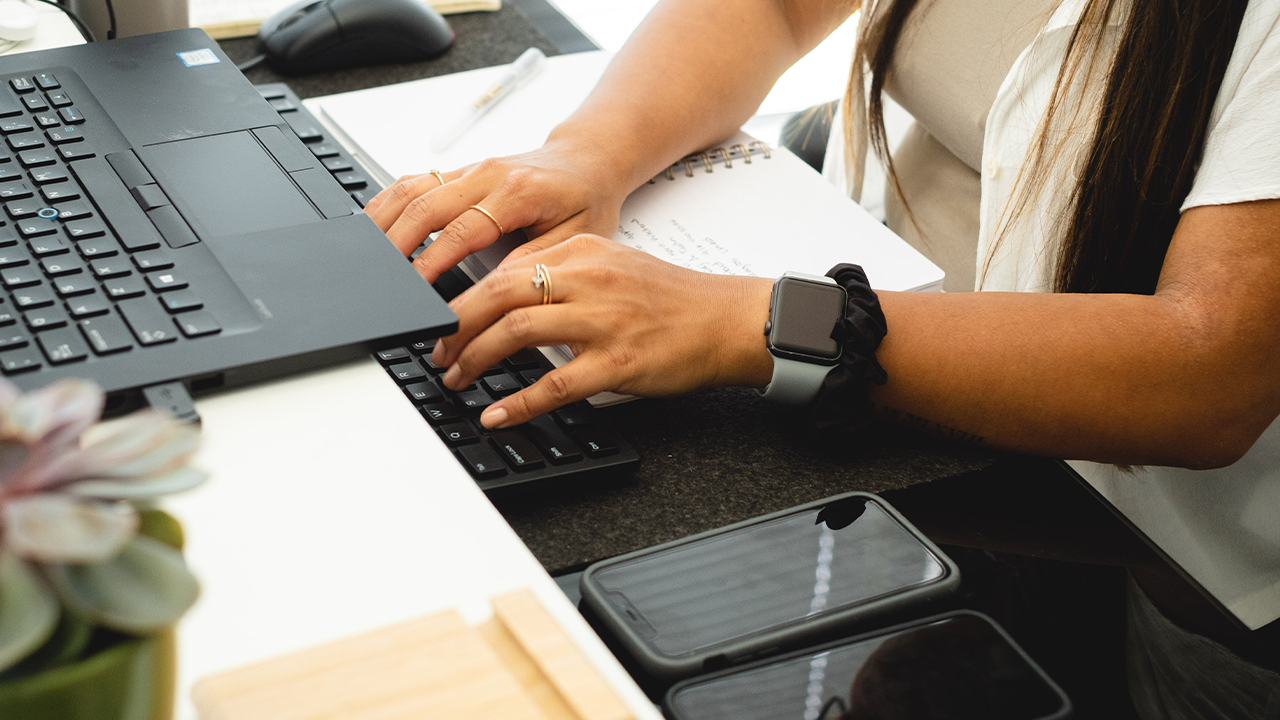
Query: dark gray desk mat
x=706, y=461
x=710, y=460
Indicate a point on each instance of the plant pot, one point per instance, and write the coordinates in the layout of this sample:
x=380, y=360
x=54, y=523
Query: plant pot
x=131, y=678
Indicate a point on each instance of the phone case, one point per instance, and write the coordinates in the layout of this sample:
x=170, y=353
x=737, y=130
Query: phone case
x=1063, y=711
x=664, y=668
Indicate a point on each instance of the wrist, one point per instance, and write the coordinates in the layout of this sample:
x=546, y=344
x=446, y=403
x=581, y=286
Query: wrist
x=743, y=357
x=597, y=150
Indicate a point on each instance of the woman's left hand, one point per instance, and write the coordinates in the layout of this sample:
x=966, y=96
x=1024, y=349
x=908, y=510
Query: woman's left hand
x=636, y=324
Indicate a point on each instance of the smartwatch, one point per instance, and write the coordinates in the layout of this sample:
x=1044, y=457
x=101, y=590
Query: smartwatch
x=803, y=312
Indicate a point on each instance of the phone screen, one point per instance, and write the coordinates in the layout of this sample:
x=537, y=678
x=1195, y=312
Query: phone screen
x=766, y=576
x=957, y=667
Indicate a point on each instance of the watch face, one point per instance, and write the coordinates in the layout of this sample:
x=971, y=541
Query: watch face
x=803, y=315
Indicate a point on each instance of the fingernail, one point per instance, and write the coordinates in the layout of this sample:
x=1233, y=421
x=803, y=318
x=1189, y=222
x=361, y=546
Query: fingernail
x=451, y=376
x=494, y=417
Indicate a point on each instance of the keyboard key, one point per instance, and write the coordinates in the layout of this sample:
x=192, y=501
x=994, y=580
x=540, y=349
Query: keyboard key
x=124, y=287
x=17, y=361
x=35, y=102
x=21, y=85
x=14, y=256
x=76, y=151
x=98, y=248
x=337, y=164
x=473, y=401
x=48, y=175
x=35, y=227
x=59, y=99
x=351, y=179
x=163, y=282
x=574, y=416
x=24, y=141
x=532, y=376
x=47, y=81
x=60, y=192
x=8, y=237
x=45, y=318
x=172, y=227
x=406, y=372
x=422, y=347
x=106, y=334
x=149, y=196
x=48, y=245
x=458, y=434
x=9, y=105
x=33, y=297
x=152, y=260
x=73, y=210
x=393, y=355
x=439, y=413
x=36, y=158
x=500, y=385
x=524, y=359
x=362, y=197
x=282, y=105
x=84, y=229
x=21, y=276
x=13, y=338
x=18, y=209
x=110, y=267
x=198, y=324
x=14, y=191
x=10, y=172
x=180, y=301
x=72, y=285
x=519, y=453
x=552, y=441
x=88, y=306
x=70, y=115
x=481, y=461
x=15, y=125
x=324, y=150
x=430, y=366
x=150, y=324
x=64, y=134
x=7, y=315
x=423, y=392
x=48, y=119
x=598, y=441
x=59, y=265
x=63, y=345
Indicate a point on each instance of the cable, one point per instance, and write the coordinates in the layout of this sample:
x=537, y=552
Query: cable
x=251, y=63
x=111, y=16
x=75, y=19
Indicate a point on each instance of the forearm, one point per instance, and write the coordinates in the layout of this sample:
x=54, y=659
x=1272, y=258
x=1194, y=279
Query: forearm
x=692, y=73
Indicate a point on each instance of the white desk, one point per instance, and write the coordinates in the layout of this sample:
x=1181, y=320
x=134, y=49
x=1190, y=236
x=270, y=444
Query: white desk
x=334, y=509
x=55, y=30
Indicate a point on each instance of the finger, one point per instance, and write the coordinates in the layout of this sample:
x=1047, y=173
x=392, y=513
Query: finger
x=387, y=206
x=431, y=211
x=546, y=240
x=521, y=328
x=579, y=379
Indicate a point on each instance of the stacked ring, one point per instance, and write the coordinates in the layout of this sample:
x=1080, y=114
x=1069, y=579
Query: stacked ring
x=489, y=215
x=542, y=281
x=438, y=176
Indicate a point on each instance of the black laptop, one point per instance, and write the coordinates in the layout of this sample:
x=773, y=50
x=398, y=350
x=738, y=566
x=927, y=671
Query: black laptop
x=162, y=223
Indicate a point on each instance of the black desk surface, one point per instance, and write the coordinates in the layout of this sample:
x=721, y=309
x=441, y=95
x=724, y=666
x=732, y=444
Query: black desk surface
x=1037, y=551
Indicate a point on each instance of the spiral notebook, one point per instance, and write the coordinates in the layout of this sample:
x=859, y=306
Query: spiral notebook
x=740, y=207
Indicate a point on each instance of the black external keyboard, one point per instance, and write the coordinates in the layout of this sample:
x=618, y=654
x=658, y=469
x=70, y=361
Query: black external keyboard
x=63, y=265
x=574, y=441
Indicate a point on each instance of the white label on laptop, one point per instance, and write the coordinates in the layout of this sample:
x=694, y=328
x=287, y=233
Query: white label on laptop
x=192, y=58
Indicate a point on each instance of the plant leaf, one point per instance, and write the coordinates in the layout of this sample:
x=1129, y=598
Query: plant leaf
x=145, y=588
x=28, y=611
x=65, y=529
x=146, y=442
x=141, y=489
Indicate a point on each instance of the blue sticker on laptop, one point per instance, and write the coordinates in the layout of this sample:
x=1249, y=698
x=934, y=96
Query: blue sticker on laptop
x=203, y=56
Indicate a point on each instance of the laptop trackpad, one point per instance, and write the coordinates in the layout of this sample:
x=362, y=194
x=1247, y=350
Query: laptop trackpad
x=227, y=185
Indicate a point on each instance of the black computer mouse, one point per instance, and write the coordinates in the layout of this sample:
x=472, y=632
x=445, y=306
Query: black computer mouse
x=317, y=35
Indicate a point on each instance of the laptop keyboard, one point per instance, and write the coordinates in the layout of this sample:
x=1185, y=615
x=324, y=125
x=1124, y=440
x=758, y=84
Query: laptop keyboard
x=65, y=268
x=572, y=442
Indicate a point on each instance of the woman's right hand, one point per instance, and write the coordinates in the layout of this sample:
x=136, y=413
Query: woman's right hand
x=555, y=192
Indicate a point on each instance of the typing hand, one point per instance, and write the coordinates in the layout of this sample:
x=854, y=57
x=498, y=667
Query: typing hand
x=637, y=325
x=553, y=193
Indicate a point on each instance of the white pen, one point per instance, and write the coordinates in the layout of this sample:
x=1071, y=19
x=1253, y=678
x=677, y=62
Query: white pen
x=525, y=67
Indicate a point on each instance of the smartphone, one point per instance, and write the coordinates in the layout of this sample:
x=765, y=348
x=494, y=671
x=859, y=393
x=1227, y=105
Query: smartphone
x=757, y=588
x=957, y=665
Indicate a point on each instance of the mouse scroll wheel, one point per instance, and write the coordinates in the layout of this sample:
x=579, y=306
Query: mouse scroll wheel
x=298, y=15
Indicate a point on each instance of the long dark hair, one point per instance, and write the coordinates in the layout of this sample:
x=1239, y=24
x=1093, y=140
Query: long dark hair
x=1149, y=135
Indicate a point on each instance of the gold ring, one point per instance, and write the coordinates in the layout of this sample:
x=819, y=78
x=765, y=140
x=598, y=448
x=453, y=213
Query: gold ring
x=438, y=176
x=542, y=281
x=491, y=217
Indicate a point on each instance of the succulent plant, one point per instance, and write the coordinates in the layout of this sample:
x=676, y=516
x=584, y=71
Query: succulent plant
x=70, y=495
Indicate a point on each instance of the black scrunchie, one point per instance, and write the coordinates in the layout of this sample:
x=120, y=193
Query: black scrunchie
x=843, y=400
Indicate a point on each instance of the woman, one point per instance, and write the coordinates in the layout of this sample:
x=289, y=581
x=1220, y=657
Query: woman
x=1124, y=173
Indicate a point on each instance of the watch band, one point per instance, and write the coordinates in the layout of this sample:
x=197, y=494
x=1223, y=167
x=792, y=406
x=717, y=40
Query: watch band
x=795, y=382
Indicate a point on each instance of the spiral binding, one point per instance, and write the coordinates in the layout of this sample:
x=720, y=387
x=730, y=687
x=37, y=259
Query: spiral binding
x=707, y=158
